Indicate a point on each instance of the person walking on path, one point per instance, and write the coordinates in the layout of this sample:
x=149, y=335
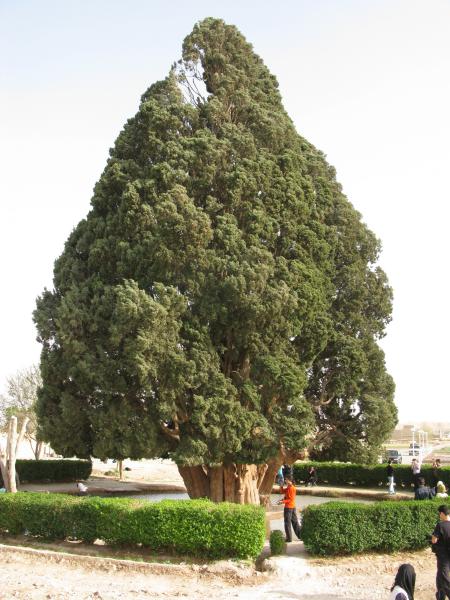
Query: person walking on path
x=390, y=476
x=290, y=512
x=404, y=584
x=415, y=468
x=423, y=492
x=440, y=540
x=312, y=476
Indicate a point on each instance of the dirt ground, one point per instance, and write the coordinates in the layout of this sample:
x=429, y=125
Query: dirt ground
x=37, y=575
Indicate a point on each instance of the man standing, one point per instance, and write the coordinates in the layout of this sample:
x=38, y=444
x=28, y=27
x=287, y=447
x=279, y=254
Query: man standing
x=415, y=468
x=290, y=513
x=441, y=547
x=390, y=476
x=436, y=468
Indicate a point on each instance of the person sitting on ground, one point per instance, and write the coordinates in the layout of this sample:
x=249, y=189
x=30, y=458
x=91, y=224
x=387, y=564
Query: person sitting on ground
x=404, y=584
x=441, y=492
x=290, y=513
x=312, y=476
x=82, y=488
x=423, y=492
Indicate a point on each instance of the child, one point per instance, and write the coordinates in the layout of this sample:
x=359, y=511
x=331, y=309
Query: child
x=404, y=584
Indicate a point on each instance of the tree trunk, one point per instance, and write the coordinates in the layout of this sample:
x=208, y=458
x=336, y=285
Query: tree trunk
x=8, y=459
x=4, y=470
x=243, y=484
x=38, y=450
x=223, y=483
x=196, y=481
x=120, y=469
x=11, y=453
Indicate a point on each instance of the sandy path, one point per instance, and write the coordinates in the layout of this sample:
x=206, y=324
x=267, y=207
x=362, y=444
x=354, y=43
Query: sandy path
x=37, y=575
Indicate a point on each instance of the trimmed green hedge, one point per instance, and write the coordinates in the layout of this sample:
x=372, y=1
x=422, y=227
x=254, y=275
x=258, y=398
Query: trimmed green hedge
x=52, y=470
x=195, y=527
x=350, y=527
x=335, y=473
x=277, y=542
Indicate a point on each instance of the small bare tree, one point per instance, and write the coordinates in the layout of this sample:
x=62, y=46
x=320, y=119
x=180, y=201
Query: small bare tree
x=8, y=455
x=20, y=400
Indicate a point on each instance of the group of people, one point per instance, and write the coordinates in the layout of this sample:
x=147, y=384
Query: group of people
x=311, y=478
x=403, y=587
x=405, y=580
x=421, y=490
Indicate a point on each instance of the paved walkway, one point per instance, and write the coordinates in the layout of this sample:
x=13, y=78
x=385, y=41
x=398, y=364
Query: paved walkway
x=103, y=485
x=351, y=491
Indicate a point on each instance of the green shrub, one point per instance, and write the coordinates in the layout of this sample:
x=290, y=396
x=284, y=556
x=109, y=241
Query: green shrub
x=52, y=470
x=277, y=542
x=349, y=527
x=335, y=473
x=195, y=527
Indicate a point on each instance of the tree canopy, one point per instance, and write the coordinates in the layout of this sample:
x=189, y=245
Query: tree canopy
x=221, y=301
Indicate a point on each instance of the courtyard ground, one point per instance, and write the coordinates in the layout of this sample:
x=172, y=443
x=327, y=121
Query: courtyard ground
x=30, y=574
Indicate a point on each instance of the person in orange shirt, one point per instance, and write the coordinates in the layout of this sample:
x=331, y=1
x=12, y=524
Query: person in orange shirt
x=290, y=513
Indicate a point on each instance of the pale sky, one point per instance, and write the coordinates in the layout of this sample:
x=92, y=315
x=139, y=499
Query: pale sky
x=366, y=81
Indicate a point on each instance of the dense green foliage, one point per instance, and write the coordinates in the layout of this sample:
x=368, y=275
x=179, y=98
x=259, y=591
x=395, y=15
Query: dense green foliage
x=277, y=542
x=349, y=527
x=221, y=300
x=195, y=527
x=53, y=470
x=335, y=473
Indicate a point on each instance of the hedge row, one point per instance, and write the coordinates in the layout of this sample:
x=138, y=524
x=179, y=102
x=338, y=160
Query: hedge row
x=52, y=470
x=194, y=527
x=364, y=475
x=350, y=527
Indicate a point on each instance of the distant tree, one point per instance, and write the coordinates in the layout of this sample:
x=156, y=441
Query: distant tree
x=197, y=308
x=20, y=401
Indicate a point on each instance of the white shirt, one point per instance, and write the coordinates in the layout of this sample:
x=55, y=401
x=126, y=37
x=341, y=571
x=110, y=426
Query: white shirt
x=396, y=591
x=82, y=487
x=416, y=468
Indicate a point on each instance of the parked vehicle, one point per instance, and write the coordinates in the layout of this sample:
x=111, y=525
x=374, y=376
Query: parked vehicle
x=414, y=449
x=394, y=455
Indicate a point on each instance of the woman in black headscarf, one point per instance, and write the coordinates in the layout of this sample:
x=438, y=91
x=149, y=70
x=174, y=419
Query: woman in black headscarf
x=405, y=581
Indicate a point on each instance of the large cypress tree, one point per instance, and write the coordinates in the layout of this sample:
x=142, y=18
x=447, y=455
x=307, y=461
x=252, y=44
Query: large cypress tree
x=206, y=306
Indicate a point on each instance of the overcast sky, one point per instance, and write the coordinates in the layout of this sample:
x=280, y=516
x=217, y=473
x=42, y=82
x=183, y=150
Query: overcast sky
x=367, y=82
